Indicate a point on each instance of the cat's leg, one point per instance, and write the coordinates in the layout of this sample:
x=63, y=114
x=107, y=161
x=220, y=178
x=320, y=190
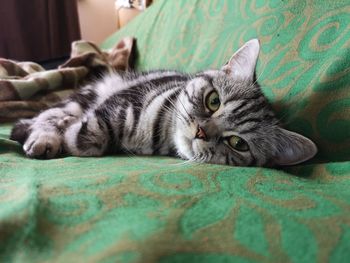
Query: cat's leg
x=88, y=136
x=42, y=136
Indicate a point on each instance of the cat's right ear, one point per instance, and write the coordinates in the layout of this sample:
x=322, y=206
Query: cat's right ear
x=242, y=64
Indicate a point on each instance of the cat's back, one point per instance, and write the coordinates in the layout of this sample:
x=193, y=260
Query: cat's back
x=150, y=79
x=136, y=83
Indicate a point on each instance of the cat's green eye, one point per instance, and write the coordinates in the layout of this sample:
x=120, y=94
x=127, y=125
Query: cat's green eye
x=238, y=143
x=212, y=101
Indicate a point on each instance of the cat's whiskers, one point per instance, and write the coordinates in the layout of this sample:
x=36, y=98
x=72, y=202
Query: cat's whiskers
x=179, y=100
x=174, y=104
x=174, y=110
x=186, y=162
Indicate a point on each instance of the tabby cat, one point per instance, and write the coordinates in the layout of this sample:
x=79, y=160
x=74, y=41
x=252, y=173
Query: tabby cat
x=214, y=116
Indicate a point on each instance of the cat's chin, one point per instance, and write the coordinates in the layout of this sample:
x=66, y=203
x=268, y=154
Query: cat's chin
x=191, y=149
x=197, y=145
x=184, y=146
x=200, y=150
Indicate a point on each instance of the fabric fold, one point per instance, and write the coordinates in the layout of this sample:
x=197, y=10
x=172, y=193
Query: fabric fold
x=26, y=88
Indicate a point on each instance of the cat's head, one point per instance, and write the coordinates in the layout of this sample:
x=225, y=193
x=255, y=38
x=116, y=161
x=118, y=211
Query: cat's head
x=224, y=118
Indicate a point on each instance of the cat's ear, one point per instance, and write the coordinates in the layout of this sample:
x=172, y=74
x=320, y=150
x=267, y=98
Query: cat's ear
x=242, y=64
x=293, y=148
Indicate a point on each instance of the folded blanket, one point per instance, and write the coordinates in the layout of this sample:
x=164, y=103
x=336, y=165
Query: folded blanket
x=27, y=88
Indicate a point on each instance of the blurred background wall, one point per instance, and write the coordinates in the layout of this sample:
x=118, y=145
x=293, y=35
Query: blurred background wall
x=98, y=19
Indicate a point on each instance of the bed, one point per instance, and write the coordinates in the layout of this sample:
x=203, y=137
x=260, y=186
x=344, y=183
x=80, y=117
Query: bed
x=158, y=209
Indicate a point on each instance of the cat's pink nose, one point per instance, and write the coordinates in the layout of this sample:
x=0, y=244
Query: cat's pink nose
x=201, y=134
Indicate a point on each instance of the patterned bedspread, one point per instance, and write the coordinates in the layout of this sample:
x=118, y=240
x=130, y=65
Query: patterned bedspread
x=153, y=209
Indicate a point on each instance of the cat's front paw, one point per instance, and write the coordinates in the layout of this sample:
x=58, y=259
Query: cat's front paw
x=43, y=145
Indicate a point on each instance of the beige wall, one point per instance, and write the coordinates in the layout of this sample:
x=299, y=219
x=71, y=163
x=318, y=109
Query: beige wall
x=98, y=19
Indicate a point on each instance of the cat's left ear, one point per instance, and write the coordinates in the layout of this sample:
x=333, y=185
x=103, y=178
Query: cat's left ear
x=293, y=148
x=242, y=64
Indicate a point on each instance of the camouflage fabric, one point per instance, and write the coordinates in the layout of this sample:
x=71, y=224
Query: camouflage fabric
x=27, y=88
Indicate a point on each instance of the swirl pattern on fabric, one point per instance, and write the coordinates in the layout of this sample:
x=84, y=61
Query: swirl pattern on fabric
x=157, y=209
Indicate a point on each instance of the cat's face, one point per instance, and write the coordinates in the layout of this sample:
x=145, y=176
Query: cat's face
x=224, y=118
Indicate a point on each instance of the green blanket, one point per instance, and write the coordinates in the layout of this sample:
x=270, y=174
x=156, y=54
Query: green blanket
x=152, y=209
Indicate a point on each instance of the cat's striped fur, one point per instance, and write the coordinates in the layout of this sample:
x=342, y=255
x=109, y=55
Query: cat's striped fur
x=163, y=113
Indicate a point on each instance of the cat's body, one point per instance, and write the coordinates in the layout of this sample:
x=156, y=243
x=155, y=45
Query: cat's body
x=215, y=116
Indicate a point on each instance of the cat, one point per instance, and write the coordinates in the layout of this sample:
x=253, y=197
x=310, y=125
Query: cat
x=214, y=116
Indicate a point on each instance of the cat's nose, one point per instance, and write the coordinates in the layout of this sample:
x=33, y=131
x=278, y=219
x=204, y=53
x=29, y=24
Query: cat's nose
x=201, y=134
